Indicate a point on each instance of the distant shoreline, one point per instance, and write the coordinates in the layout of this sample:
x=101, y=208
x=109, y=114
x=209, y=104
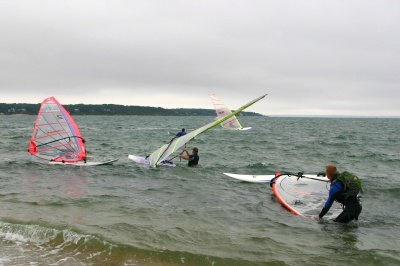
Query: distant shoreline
x=111, y=109
x=334, y=116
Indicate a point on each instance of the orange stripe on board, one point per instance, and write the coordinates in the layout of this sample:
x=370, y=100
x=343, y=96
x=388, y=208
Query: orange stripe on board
x=283, y=202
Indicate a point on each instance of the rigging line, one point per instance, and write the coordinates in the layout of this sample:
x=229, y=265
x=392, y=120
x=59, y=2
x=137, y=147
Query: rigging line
x=59, y=144
x=51, y=136
x=70, y=148
x=69, y=137
x=53, y=146
x=59, y=106
x=301, y=175
x=65, y=146
x=51, y=126
x=68, y=145
x=58, y=122
x=48, y=154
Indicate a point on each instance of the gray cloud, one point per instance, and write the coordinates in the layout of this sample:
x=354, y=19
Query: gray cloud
x=313, y=57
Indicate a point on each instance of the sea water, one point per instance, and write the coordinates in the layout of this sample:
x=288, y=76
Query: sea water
x=124, y=214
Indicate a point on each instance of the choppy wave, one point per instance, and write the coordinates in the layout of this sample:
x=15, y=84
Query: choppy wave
x=54, y=244
x=38, y=243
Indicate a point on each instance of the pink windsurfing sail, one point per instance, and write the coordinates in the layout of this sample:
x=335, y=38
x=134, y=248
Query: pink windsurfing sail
x=56, y=136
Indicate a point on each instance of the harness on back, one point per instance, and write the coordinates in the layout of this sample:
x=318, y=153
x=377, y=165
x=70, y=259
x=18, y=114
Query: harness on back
x=351, y=184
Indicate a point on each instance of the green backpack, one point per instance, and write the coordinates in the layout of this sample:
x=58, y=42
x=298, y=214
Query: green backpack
x=352, y=184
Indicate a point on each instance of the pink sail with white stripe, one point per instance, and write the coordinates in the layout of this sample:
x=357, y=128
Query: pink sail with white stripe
x=56, y=136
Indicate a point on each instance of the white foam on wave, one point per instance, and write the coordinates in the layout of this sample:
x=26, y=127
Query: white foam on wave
x=26, y=233
x=51, y=245
x=38, y=234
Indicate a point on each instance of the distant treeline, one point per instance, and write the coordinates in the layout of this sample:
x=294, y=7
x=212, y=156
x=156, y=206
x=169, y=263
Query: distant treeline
x=110, y=109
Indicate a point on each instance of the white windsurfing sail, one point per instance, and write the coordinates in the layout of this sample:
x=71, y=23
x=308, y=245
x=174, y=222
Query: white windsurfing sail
x=166, y=150
x=56, y=136
x=222, y=110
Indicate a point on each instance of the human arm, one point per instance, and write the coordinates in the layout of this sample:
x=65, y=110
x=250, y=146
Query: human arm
x=184, y=155
x=335, y=188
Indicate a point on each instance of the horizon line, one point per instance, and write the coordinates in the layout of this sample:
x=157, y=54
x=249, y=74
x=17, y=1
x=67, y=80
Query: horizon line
x=262, y=114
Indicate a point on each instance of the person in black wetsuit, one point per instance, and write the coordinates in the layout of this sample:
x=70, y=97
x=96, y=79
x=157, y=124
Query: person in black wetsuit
x=350, y=202
x=181, y=133
x=193, y=159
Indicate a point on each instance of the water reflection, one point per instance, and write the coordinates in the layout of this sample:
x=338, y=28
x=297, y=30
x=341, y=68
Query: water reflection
x=58, y=183
x=52, y=195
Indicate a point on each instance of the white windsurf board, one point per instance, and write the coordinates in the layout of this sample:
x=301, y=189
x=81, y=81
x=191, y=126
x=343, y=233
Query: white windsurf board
x=251, y=178
x=141, y=160
x=82, y=163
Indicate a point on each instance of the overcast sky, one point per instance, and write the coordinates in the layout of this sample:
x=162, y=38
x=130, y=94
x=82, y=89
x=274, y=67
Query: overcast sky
x=338, y=57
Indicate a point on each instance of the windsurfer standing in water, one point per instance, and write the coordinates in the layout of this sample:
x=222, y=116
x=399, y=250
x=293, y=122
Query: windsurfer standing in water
x=344, y=189
x=193, y=159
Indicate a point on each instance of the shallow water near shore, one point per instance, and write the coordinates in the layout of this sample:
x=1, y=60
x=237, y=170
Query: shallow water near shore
x=128, y=215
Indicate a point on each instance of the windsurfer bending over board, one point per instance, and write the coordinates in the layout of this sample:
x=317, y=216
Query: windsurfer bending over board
x=193, y=159
x=181, y=133
x=345, y=188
